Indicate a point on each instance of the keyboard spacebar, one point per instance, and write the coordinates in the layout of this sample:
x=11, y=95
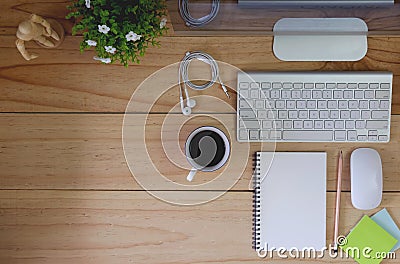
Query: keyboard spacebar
x=308, y=135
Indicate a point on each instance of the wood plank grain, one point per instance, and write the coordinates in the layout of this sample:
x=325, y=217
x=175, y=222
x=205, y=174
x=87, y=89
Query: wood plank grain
x=74, y=151
x=133, y=227
x=66, y=80
x=233, y=19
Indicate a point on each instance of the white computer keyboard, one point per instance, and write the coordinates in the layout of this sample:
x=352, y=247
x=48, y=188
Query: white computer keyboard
x=314, y=106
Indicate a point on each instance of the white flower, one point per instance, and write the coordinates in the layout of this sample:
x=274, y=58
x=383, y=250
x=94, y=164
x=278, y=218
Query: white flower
x=104, y=60
x=163, y=23
x=110, y=49
x=132, y=36
x=103, y=29
x=87, y=3
x=91, y=43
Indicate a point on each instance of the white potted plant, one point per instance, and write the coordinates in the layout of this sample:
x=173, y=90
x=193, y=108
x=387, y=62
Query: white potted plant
x=118, y=30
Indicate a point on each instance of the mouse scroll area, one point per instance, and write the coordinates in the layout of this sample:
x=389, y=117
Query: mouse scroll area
x=366, y=178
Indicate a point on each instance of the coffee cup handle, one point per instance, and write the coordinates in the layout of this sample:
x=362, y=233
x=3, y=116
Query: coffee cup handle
x=191, y=174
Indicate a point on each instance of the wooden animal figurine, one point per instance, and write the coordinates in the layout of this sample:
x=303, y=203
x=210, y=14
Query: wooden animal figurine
x=40, y=30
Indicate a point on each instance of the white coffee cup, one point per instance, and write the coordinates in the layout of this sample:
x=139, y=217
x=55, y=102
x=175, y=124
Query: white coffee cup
x=207, y=149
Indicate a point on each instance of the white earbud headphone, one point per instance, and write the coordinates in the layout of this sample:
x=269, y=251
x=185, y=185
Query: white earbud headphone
x=184, y=79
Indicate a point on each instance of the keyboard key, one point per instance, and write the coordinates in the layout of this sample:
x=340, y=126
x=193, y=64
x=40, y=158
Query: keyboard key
x=290, y=104
x=254, y=85
x=345, y=114
x=324, y=114
x=296, y=94
x=363, y=85
x=244, y=104
x=297, y=85
x=244, y=93
x=358, y=95
x=355, y=114
x=286, y=94
x=287, y=124
x=253, y=134
x=262, y=114
x=327, y=94
x=372, y=133
x=303, y=114
x=247, y=114
x=250, y=124
x=264, y=134
x=265, y=94
x=322, y=104
x=365, y=114
x=385, y=85
x=319, y=124
x=330, y=85
x=283, y=114
x=362, y=138
x=369, y=94
x=301, y=104
x=275, y=94
x=317, y=94
x=372, y=124
x=353, y=104
x=254, y=94
x=382, y=94
x=320, y=85
x=337, y=94
x=277, y=124
x=329, y=124
x=348, y=94
x=243, y=135
x=352, y=135
x=308, y=124
x=340, y=135
x=343, y=104
x=374, y=104
x=332, y=104
x=311, y=104
x=298, y=124
x=383, y=138
x=350, y=124
x=374, y=85
x=314, y=114
x=360, y=124
x=305, y=135
x=308, y=85
x=276, y=85
x=266, y=85
x=373, y=138
x=306, y=94
x=293, y=114
x=363, y=104
x=339, y=124
x=352, y=86
x=380, y=114
x=334, y=114
x=280, y=104
x=244, y=85
x=342, y=85
x=260, y=104
x=384, y=104
x=267, y=124
x=276, y=134
x=287, y=85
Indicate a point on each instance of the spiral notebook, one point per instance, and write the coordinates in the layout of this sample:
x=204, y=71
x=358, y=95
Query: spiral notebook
x=289, y=200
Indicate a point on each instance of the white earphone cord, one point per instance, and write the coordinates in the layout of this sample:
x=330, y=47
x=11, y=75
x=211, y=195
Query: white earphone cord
x=197, y=22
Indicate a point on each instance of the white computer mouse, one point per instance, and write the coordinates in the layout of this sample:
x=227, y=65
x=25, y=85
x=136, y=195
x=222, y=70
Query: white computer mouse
x=366, y=178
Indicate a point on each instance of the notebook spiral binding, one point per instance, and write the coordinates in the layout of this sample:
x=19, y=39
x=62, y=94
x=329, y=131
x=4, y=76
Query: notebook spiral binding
x=256, y=203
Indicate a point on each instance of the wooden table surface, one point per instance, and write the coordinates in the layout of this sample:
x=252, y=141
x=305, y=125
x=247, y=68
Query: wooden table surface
x=66, y=192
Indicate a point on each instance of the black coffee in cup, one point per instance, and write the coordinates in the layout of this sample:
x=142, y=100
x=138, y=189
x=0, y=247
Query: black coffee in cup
x=210, y=142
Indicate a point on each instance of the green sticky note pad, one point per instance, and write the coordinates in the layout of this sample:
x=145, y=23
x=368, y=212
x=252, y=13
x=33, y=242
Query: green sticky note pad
x=368, y=243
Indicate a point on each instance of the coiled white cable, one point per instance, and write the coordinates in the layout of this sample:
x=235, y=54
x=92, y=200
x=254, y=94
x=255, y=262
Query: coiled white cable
x=197, y=22
x=184, y=81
